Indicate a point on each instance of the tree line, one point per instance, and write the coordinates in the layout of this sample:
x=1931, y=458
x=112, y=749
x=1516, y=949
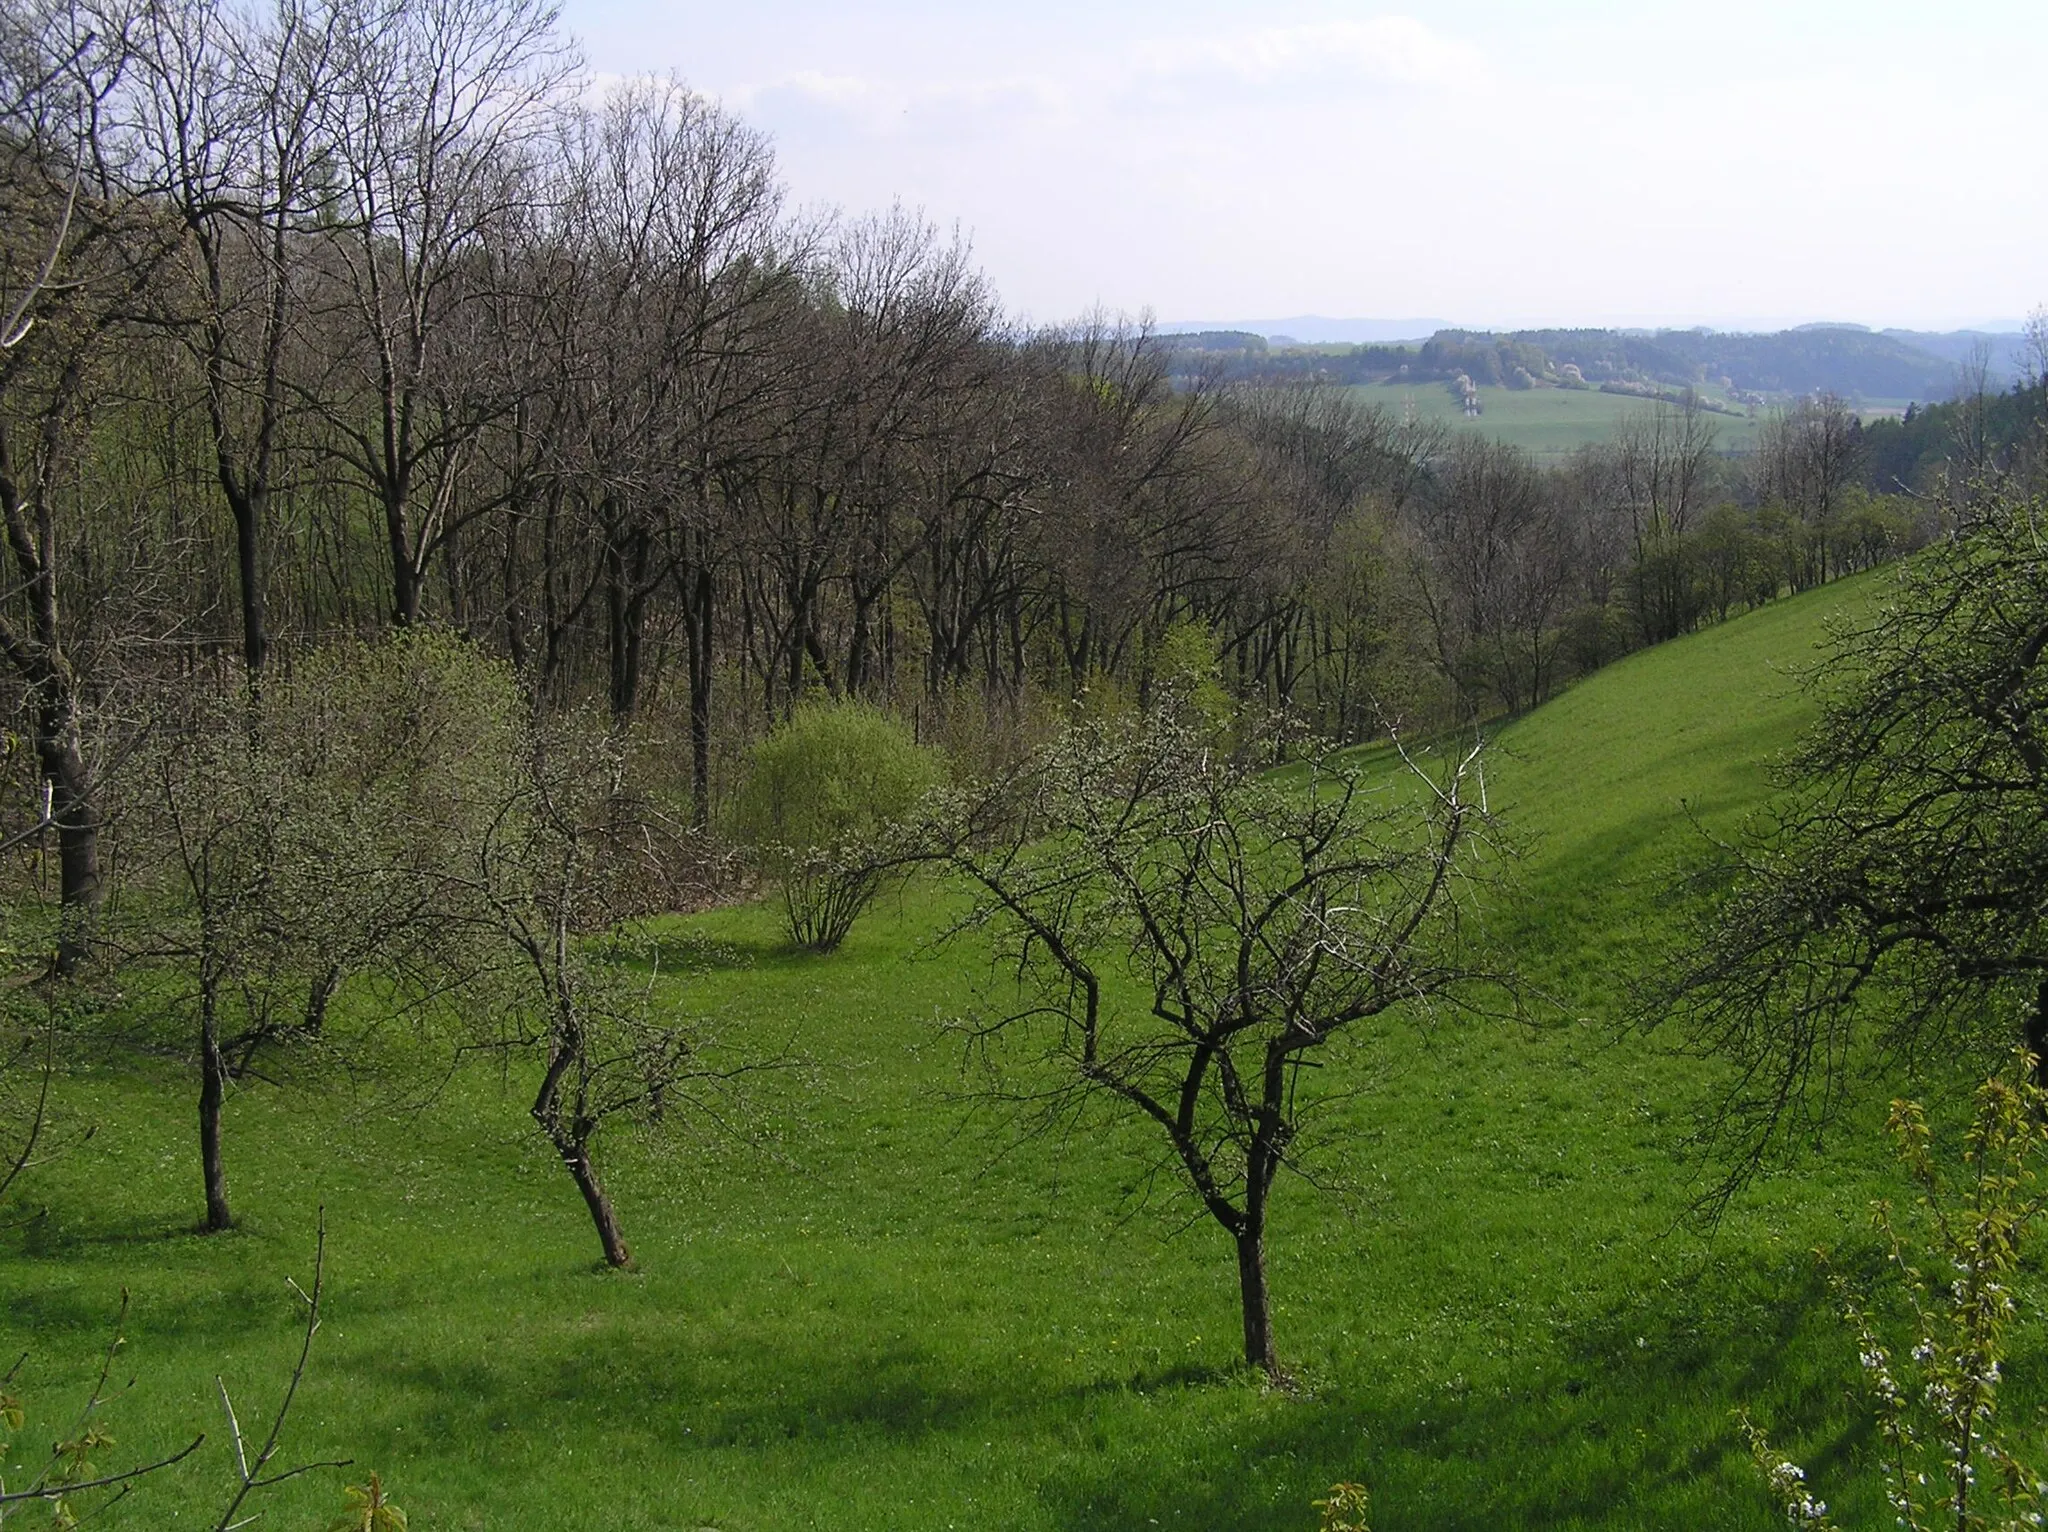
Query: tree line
x=332, y=317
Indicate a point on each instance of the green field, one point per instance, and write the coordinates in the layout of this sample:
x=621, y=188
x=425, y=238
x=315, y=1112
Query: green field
x=1549, y=422
x=884, y=1311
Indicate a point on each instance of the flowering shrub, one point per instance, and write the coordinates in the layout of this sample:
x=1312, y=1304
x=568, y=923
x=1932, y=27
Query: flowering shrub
x=1944, y=1466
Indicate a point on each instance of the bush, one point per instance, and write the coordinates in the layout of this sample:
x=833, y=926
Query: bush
x=1957, y=1259
x=826, y=807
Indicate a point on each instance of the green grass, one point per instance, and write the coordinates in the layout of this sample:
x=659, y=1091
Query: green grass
x=889, y=1313
x=1549, y=422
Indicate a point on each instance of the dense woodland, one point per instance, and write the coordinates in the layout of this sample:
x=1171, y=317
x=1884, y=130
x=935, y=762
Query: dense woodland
x=328, y=319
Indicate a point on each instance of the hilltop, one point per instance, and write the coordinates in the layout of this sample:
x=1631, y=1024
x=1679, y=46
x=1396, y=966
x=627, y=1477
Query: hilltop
x=1732, y=370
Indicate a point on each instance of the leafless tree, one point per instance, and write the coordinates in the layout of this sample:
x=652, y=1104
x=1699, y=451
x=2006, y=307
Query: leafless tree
x=224, y=109
x=1659, y=457
x=1806, y=458
x=1493, y=571
x=578, y=992
x=1186, y=936
x=81, y=250
x=431, y=123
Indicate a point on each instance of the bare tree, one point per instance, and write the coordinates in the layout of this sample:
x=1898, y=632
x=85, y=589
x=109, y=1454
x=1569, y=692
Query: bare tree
x=225, y=109
x=1186, y=936
x=81, y=249
x=1659, y=458
x=1317, y=454
x=1492, y=571
x=1894, y=890
x=1806, y=459
x=579, y=991
x=431, y=124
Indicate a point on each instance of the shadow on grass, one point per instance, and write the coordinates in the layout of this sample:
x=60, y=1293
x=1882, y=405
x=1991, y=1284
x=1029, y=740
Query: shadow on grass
x=1630, y=1416
x=1623, y=1415
x=51, y=1236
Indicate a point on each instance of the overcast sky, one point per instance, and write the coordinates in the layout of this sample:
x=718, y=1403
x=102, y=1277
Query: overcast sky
x=1484, y=162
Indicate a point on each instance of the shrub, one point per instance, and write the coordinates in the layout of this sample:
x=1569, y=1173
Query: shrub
x=1190, y=674
x=1955, y=1260
x=826, y=808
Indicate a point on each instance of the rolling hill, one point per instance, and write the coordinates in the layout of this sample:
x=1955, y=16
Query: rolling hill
x=868, y=1306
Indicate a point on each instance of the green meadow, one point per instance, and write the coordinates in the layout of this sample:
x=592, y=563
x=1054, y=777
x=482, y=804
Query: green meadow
x=1549, y=422
x=868, y=1301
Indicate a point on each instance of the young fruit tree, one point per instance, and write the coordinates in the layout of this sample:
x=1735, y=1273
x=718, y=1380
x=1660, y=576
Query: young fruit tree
x=1896, y=888
x=282, y=853
x=1186, y=935
x=552, y=882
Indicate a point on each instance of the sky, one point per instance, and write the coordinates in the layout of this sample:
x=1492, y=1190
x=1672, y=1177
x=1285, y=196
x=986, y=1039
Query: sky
x=1487, y=163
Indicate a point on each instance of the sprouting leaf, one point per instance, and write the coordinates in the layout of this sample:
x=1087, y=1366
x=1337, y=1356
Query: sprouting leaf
x=368, y=1510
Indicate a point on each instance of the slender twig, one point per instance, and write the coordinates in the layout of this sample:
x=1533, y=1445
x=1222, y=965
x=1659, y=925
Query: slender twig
x=60, y=1491
x=251, y=1472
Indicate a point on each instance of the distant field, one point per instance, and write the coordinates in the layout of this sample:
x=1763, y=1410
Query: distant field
x=1549, y=422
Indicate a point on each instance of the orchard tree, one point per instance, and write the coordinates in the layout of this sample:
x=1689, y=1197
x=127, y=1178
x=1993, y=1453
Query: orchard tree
x=548, y=883
x=1896, y=887
x=283, y=856
x=1187, y=936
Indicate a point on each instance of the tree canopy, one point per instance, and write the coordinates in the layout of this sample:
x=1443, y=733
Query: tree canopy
x=1900, y=884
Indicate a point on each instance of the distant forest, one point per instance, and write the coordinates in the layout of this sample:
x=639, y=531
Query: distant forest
x=1846, y=360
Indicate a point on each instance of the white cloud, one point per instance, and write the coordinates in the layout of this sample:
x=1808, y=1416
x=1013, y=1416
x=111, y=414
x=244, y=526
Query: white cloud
x=887, y=106
x=1492, y=158
x=1194, y=71
x=1383, y=50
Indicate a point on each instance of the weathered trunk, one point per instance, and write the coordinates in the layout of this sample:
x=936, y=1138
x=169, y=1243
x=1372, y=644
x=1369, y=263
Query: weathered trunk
x=248, y=510
x=626, y=566
x=213, y=1080
x=616, y=1255
x=405, y=580
x=74, y=809
x=318, y=994
x=1258, y=1318
x=571, y=1140
x=697, y=620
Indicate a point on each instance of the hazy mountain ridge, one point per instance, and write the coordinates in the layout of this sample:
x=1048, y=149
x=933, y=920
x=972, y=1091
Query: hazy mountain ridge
x=1849, y=360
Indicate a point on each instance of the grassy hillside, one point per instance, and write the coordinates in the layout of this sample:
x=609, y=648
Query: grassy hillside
x=886, y=1312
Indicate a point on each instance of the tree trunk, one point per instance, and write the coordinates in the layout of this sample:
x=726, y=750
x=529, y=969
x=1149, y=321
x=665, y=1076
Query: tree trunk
x=626, y=562
x=405, y=581
x=577, y=1158
x=248, y=511
x=1258, y=1317
x=213, y=1078
x=74, y=808
x=571, y=1139
x=697, y=619
x=2037, y=1033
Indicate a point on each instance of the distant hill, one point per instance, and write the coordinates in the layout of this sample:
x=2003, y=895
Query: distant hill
x=1736, y=368
x=1314, y=330
x=2004, y=350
